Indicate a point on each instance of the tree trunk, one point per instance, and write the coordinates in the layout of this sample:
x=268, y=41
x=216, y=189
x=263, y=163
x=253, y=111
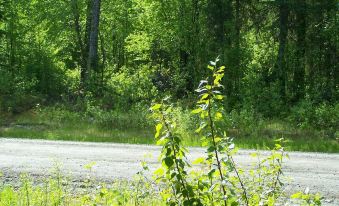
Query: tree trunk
x=92, y=62
x=281, y=70
x=103, y=52
x=77, y=27
x=299, y=70
x=237, y=53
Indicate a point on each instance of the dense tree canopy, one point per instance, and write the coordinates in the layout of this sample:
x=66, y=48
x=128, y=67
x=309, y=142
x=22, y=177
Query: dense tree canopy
x=277, y=53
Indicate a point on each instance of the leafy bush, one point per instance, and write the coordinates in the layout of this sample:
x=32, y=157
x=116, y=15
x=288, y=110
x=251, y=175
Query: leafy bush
x=322, y=117
x=246, y=122
x=130, y=87
x=15, y=93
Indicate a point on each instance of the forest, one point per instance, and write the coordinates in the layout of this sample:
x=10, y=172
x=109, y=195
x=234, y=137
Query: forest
x=106, y=61
x=200, y=79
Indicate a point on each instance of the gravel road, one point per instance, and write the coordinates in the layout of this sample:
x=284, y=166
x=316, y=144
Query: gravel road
x=318, y=171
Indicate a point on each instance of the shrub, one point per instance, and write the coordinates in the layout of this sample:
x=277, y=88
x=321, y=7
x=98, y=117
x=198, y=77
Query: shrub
x=322, y=117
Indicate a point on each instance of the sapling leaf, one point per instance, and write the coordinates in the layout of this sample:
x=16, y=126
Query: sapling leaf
x=202, y=82
x=296, y=195
x=204, y=96
x=168, y=152
x=210, y=67
x=213, y=63
x=198, y=161
x=254, y=154
x=159, y=172
x=156, y=107
x=211, y=149
x=232, y=146
x=158, y=128
x=197, y=111
x=219, y=97
x=218, y=115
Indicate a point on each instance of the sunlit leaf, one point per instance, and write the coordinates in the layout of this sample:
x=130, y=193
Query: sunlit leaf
x=158, y=128
x=156, y=107
x=197, y=111
x=198, y=160
x=218, y=115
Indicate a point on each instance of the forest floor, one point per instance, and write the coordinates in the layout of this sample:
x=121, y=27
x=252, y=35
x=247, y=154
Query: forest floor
x=318, y=171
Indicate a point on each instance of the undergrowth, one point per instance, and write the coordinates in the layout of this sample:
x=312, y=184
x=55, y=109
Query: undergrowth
x=135, y=127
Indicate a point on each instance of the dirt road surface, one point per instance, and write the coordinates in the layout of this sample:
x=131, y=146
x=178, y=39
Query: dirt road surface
x=318, y=171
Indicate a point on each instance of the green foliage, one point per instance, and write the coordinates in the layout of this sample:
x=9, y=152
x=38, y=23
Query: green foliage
x=307, y=198
x=58, y=190
x=94, y=123
x=323, y=117
x=219, y=180
x=174, y=169
x=216, y=178
x=129, y=88
x=150, y=49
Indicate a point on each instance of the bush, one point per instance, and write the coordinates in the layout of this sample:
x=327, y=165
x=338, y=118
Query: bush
x=323, y=117
x=246, y=122
x=130, y=87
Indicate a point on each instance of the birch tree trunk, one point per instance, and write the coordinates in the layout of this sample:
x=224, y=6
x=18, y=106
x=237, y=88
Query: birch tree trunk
x=92, y=63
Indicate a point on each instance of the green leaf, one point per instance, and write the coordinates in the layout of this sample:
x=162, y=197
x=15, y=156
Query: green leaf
x=217, y=139
x=159, y=172
x=211, y=173
x=202, y=126
x=254, y=154
x=211, y=149
x=198, y=161
x=205, y=96
x=156, y=107
x=169, y=161
x=218, y=115
x=168, y=152
x=213, y=63
x=296, y=195
x=210, y=67
x=158, y=130
x=277, y=146
x=219, y=97
x=90, y=165
x=197, y=111
x=221, y=69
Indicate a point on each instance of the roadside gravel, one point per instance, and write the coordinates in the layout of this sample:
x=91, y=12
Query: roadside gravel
x=318, y=171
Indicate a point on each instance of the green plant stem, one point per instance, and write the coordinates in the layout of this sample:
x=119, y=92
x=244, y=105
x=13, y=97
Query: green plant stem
x=27, y=193
x=215, y=149
x=279, y=172
x=240, y=180
x=174, y=153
